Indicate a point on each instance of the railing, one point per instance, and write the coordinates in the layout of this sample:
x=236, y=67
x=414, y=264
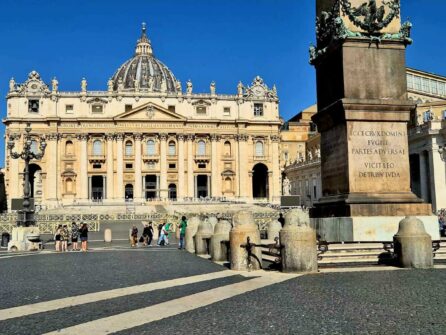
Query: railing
x=260, y=158
x=150, y=158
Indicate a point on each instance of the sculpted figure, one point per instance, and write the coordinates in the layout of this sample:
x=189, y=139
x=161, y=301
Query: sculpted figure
x=240, y=88
x=150, y=82
x=54, y=85
x=120, y=84
x=12, y=85
x=84, y=85
x=178, y=86
x=212, y=88
x=110, y=85
x=286, y=186
x=136, y=85
x=189, y=87
x=309, y=155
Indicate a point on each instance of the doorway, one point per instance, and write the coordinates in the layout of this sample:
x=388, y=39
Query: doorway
x=260, y=181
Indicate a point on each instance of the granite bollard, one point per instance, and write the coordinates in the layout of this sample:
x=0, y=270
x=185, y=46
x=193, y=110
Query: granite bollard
x=219, y=252
x=412, y=245
x=107, y=235
x=204, y=231
x=273, y=229
x=191, y=230
x=298, y=243
x=244, y=227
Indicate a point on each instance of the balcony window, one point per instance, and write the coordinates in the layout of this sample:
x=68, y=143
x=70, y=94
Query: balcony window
x=69, y=148
x=259, y=149
x=150, y=147
x=226, y=111
x=201, y=148
x=172, y=148
x=97, y=148
x=128, y=148
x=128, y=108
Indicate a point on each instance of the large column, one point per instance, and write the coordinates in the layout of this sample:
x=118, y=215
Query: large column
x=243, y=179
x=181, y=186
x=438, y=179
x=15, y=187
x=83, y=168
x=424, y=180
x=275, y=186
x=110, y=180
x=163, y=166
x=190, y=166
x=137, y=190
x=215, y=177
x=51, y=157
x=119, y=194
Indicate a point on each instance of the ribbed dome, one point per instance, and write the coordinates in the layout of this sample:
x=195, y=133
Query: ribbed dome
x=144, y=72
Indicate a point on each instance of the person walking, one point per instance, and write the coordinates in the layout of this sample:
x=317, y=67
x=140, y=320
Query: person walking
x=64, y=235
x=57, y=237
x=74, y=236
x=148, y=233
x=161, y=239
x=83, y=233
x=182, y=227
x=167, y=228
x=160, y=227
x=134, y=236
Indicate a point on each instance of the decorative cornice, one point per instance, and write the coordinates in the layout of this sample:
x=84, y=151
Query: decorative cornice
x=215, y=137
x=163, y=136
x=82, y=137
x=275, y=138
x=137, y=136
x=109, y=137
x=190, y=137
x=180, y=137
x=53, y=136
x=241, y=137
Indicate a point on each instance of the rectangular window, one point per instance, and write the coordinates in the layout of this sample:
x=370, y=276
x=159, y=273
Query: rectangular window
x=69, y=109
x=33, y=106
x=227, y=111
x=172, y=166
x=417, y=83
x=258, y=109
x=441, y=88
x=434, y=87
x=128, y=108
x=202, y=165
x=425, y=85
x=128, y=165
x=97, y=166
x=171, y=109
x=201, y=110
x=97, y=109
x=409, y=81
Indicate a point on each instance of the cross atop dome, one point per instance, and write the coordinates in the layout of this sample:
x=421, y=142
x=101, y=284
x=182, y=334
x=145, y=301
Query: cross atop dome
x=143, y=45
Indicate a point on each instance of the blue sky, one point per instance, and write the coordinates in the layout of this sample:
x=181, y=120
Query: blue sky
x=204, y=40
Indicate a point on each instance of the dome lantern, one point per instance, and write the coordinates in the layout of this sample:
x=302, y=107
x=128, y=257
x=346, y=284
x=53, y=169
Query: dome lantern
x=143, y=72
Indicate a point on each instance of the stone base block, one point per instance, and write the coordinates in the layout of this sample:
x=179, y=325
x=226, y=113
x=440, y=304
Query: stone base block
x=367, y=229
x=25, y=239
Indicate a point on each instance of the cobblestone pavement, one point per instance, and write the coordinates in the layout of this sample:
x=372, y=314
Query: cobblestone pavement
x=166, y=291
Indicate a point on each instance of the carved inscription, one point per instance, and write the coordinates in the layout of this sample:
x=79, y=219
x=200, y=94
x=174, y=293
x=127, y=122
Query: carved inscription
x=379, y=156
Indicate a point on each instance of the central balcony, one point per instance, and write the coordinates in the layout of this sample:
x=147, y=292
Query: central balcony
x=202, y=158
x=150, y=158
x=96, y=158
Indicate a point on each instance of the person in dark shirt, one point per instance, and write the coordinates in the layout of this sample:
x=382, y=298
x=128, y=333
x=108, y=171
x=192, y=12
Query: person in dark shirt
x=281, y=219
x=84, y=236
x=147, y=233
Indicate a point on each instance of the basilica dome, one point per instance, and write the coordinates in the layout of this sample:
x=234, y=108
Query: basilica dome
x=143, y=72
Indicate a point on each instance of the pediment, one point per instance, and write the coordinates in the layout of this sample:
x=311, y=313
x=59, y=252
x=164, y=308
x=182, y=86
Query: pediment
x=149, y=111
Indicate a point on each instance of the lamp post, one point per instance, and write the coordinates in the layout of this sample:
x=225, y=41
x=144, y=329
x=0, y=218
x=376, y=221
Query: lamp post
x=26, y=217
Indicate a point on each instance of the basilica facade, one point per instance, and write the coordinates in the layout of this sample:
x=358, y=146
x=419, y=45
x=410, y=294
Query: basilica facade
x=144, y=138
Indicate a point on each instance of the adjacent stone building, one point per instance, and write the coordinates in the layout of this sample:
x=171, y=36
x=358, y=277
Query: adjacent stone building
x=145, y=138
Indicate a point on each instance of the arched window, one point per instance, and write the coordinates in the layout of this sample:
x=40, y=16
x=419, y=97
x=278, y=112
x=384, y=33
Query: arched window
x=34, y=148
x=69, y=185
x=150, y=147
x=227, y=147
x=172, y=148
x=128, y=148
x=259, y=149
x=201, y=148
x=97, y=148
x=69, y=148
